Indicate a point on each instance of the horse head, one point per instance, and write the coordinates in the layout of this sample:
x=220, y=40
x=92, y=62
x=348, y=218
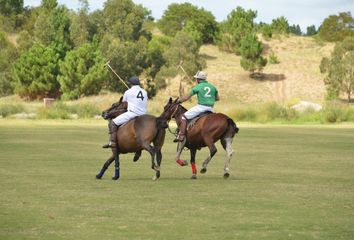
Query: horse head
x=115, y=110
x=170, y=109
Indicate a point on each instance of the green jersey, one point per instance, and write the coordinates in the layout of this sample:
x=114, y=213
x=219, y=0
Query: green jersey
x=206, y=93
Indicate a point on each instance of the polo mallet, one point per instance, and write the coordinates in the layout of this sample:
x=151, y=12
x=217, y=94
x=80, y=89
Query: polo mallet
x=108, y=65
x=185, y=73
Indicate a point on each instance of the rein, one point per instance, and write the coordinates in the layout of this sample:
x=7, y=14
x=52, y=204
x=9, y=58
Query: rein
x=172, y=116
x=169, y=129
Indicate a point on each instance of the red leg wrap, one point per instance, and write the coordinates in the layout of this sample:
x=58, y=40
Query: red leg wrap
x=180, y=162
x=194, y=168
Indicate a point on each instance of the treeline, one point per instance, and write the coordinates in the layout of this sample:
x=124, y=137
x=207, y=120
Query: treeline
x=51, y=51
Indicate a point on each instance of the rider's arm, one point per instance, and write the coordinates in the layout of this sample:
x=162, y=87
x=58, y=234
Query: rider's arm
x=217, y=97
x=185, y=98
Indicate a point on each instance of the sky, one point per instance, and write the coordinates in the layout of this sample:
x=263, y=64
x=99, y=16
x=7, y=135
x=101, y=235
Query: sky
x=302, y=12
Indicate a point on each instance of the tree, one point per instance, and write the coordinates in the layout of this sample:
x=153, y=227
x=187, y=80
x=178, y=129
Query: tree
x=295, y=29
x=11, y=7
x=178, y=16
x=8, y=55
x=35, y=73
x=280, y=25
x=182, y=47
x=82, y=72
x=339, y=69
x=124, y=20
x=52, y=26
x=79, y=25
x=266, y=30
x=239, y=23
x=311, y=30
x=336, y=28
x=127, y=58
x=251, y=50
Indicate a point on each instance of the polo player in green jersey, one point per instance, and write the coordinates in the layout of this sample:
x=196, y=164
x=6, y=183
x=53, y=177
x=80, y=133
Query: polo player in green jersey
x=207, y=96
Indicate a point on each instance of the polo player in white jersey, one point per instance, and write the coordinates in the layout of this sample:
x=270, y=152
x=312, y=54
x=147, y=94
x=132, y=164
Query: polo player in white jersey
x=136, y=97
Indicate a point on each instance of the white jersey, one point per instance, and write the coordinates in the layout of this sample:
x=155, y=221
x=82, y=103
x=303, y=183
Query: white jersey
x=137, y=100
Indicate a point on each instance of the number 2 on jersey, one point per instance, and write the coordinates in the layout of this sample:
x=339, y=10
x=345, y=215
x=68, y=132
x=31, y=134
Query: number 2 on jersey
x=140, y=95
x=208, y=90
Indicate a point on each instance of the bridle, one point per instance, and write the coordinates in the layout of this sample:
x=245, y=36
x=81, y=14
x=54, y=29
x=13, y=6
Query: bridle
x=172, y=116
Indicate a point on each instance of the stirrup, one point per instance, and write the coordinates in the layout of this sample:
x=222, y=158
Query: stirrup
x=109, y=145
x=179, y=138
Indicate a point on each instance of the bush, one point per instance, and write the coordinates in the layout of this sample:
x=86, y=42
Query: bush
x=333, y=113
x=9, y=109
x=85, y=110
x=244, y=114
x=60, y=110
x=273, y=59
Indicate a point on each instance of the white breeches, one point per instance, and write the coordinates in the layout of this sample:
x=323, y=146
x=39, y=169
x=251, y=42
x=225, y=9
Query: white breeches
x=123, y=118
x=196, y=110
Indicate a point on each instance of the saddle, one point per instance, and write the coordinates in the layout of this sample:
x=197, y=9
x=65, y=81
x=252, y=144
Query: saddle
x=192, y=122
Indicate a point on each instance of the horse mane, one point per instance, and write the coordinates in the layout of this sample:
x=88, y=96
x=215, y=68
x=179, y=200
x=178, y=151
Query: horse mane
x=183, y=108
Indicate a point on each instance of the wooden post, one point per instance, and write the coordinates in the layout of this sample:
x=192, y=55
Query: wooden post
x=48, y=101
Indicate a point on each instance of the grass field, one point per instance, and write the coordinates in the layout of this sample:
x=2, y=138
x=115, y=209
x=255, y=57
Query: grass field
x=286, y=182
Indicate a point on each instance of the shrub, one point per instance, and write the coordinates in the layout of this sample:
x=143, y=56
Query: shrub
x=337, y=113
x=273, y=59
x=85, y=110
x=244, y=114
x=9, y=109
x=58, y=110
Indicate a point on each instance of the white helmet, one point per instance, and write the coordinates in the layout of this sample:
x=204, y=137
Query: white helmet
x=200, y=75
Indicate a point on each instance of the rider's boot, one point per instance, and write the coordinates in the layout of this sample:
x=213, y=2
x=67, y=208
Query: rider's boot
x=113, y=138
x=182, y=131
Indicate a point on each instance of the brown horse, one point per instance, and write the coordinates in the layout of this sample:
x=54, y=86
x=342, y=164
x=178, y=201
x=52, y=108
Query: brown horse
x=135, y=136
x=205, y=132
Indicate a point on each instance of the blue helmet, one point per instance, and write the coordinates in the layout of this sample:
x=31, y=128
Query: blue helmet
x=134, y=80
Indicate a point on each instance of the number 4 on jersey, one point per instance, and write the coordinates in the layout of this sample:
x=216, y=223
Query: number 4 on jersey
x=140, y=95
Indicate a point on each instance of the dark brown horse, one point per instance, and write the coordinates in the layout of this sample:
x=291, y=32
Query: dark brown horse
x=205, y=132
x=135, y=136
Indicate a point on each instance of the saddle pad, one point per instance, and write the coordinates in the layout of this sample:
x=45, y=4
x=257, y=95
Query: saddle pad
x=192, y=122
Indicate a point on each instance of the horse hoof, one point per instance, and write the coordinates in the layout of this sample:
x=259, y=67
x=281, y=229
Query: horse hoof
x=226, y=175
x=115, y=178
x=194, y=176
x=98, y=177
x=203, y=170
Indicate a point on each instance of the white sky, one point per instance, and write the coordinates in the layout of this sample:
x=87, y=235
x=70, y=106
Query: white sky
x=302, y=12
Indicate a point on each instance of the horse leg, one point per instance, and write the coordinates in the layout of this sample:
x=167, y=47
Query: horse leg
x=212, y=151
x=137, y=156
x=194, y=168
x=180, y=146
x=116, y=163
x=152, y=152
x=158, y=160
x=227, y=145
x=105, y=166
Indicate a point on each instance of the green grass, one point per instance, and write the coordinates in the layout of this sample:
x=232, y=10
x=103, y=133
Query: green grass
x=286, y=183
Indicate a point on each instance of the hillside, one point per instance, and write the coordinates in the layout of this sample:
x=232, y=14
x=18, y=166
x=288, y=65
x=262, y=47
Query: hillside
x=296, y=76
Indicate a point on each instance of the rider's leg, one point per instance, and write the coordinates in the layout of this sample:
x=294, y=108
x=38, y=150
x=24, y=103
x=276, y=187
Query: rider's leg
x=114, y=125
x=113, y=128
x=182, y=130
x=190, y=114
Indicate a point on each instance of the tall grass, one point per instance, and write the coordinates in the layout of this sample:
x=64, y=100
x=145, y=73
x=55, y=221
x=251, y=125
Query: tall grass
x=9, y=109
x=61, y=110
x=274, y=112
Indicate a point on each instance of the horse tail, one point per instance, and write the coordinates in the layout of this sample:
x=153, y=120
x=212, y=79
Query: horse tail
x=232, y=124
x=161, y=123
